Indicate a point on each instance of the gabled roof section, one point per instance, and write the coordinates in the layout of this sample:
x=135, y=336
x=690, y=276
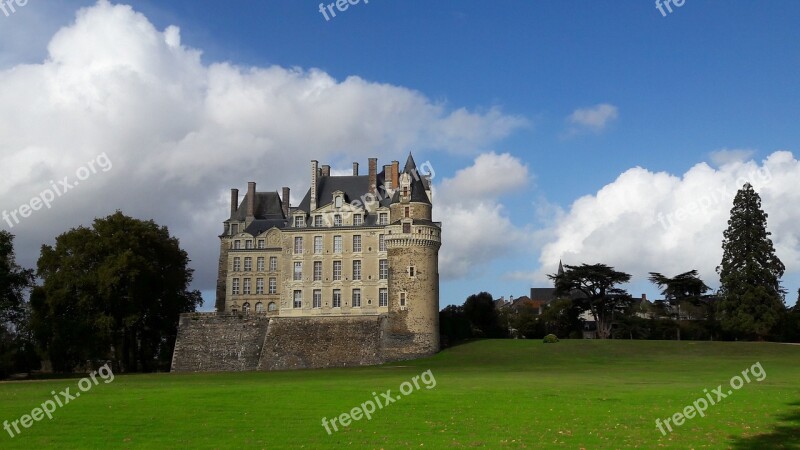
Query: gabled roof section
x=267, y=207
x=419, y=184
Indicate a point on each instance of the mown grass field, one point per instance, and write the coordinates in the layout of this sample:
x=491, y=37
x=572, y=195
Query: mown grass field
x=488, y=394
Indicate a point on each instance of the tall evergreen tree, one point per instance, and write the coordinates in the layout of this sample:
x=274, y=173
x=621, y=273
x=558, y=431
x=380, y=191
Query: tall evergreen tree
x=751, y=295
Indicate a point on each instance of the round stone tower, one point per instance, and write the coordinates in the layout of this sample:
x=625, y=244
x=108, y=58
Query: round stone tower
x=412, y=243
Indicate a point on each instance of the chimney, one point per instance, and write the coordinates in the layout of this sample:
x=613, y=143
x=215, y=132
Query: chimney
x=314, y=176
x=395, y=174
x=644, y=297
x=326, y=170
x=285, y=202
x=251, y=199
x=355, y=169
x=234, y=201
x=387, y=177
x=373, y=176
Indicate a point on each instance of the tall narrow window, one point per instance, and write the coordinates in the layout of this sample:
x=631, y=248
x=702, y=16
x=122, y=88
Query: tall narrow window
x=248, y=263
x=357, y=220
x=317, y=270
x=273, y=263
x=235, y=286
x=317, y=298
x=356, y=298
x=317, y=221
x=298, y=299
x=383, y=297
x=246, y=287
x=382, y=243
x=234, y=228
x=337, y=271
x=273, y=285
x=298, y=271
x=259, y=285
x=317, y=245
x=356, y=269
x=298, y=245
x=259, y=307
x=402, y=300
x=237, y=264
x=260, y=264
x=383, y=267
x=383, y=218
x=337, y=244
x=407, y=211
x=357, y=243
x=337, y=220
x=337, y=298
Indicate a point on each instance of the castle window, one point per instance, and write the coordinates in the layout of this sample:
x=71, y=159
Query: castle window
x=317, y=245
x=383, y=218
x=260, y=264
x=357, y=270
x=237, y=264
x=273, y=285
x=407, y=211
x=317, y=221
x=246, y=308
x=234, y=310
x=337, y=298
x=317, y=270
x=234, y=228
x=273, y=263
x=235, y=286
x=412, y=271
x=299, y=221
x=383, y=297
x=248, y=244
x=262, y=243
x=381, y=243
x=338, y=202
x=237, y=244
x=317, y=298
x=337, y=271
x=356, y=298
x=298, y=245
x=298, y=271
x=337, y=220
x=357, y=220
x=337, y=244
x=259, y=285
x=246, y=287
x=357, y=243
x=405, y=191
x=272, y=307
x=259, y=307
x=248, y=264
x=383, y=269
x=298, y=299
x=402, y=300
x=407, y=228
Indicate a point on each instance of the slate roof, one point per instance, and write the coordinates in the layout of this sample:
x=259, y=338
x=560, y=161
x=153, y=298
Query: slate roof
x=267, y=207
x=418, y=183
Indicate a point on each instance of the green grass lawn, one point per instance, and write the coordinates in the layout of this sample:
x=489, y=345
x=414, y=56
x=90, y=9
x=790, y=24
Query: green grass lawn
x=491, y=394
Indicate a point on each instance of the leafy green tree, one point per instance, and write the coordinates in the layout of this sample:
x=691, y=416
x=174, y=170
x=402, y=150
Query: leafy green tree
x=751, y=302
x=680, y=289
x=113, y=291
x=454, y=326
x=482, y=315
x=16, y=349
x=562, y=317
x=594, y=288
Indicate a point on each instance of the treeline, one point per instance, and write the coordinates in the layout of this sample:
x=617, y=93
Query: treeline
x=111, y=292
x=750, y=304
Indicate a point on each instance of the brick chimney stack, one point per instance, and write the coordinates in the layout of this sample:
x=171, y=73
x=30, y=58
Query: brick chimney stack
x=285, y=202
x=314, y=177
x=251, y=199
x=387, y=177
x=326, y=170
x=373, y=176
x=355, y=169
x=395, y=174
x=234, y=201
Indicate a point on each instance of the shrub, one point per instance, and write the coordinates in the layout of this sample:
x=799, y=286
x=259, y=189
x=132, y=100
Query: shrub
x=550, y=339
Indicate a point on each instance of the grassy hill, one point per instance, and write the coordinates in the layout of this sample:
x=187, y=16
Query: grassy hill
x=491, y=394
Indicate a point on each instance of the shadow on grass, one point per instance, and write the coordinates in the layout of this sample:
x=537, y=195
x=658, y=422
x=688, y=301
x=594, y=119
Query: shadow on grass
x=785, y=435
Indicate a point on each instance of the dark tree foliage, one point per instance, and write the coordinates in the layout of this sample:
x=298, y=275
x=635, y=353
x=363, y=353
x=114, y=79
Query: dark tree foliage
x=113, y=291
x=562, y=318
x=454, y=326
x=686, y=288
x=751, y=303
x=17, y=353
x=594, y=288
x=482, y=315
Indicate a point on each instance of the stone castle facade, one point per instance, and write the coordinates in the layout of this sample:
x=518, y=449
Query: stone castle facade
x=356, y=261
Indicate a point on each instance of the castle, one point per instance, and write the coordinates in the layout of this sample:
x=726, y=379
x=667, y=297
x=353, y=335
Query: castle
x=347, y=277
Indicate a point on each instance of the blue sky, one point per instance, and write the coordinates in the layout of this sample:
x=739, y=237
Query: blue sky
x=710, y=76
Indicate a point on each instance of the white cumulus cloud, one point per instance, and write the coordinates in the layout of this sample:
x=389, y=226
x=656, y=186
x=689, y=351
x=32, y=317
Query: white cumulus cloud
x=594, y=118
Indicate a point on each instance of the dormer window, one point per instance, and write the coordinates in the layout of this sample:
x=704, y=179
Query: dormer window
x=405, y=191
x=299, y=221
x=234, y=228
x=357, y=220
x=317, y=221
x=337, y=202
x=383, y=218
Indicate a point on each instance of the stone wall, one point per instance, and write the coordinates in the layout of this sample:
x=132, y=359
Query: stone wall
x=211, y=342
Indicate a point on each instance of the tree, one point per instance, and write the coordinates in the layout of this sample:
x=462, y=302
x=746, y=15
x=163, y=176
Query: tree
x=113, y=291
x=481, y=313
x=453, y=325
x=593, y=288
x=684, y=288
x=751, y=302
x=562, y=317
x=16, y=349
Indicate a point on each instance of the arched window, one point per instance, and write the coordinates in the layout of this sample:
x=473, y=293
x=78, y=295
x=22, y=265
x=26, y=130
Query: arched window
x=272, y=307
x=246, y=308
x=259, y=307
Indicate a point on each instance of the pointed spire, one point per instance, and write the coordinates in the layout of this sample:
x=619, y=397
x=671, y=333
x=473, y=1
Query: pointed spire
x=411, y=166
x=560, y=268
